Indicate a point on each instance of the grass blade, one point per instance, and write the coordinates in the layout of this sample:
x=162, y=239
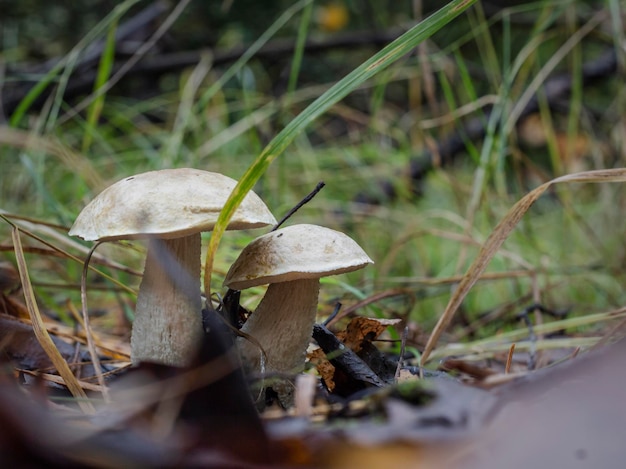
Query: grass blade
x=299, y=50
x=104, y=71
x=41, y=333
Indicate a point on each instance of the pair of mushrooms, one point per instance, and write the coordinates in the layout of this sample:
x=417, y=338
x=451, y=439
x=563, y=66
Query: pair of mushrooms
x=171, y=208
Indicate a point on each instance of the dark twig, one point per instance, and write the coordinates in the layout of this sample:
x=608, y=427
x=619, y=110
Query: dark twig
x=532, y=338
x=405, y=335
x=333, y=314
x=297, y=207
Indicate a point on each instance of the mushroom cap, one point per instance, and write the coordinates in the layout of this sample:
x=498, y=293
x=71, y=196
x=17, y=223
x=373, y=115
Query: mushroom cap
x=169, y=203
x=295, y=252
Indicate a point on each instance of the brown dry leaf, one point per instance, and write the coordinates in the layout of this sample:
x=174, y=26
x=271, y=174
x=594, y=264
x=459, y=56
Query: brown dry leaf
x=325, y=369
x=361, y=330
x=405, y=375
x=499, y=235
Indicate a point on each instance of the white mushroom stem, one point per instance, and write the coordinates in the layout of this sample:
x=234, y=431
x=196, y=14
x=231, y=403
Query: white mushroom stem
x=168, y=316
x=282, y=324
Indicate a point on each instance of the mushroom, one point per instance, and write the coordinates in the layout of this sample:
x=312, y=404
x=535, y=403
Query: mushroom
x=291, y=260
x=170, y=208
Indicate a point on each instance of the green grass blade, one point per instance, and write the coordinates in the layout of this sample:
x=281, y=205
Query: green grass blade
x=296, y=62
x=32, y=95
x=350, y=82
x=104, y=72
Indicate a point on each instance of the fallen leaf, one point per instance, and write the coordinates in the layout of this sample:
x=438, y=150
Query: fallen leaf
x=361, y=329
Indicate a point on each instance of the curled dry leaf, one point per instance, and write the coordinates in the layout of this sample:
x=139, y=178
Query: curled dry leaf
x=361, y=330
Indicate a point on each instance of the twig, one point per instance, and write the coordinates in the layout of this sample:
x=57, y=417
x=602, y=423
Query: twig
x=299, y=205
x=405, y=334
x=532, y=338
x=372, y=299
x=333, y=314
x=509, y=359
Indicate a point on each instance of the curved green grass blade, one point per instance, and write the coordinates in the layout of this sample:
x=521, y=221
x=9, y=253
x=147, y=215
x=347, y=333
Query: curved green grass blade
x=380, y=61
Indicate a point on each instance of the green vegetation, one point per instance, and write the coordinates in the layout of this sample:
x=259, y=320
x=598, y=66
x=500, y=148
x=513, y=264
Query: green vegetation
x=567, y=253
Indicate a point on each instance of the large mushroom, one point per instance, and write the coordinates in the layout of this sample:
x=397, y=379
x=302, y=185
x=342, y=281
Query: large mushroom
x=291, y=260
x=170, y=208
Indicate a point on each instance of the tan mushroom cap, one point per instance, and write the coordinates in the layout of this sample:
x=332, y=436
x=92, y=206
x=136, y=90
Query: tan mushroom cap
x=169, y=203
x=295, y=252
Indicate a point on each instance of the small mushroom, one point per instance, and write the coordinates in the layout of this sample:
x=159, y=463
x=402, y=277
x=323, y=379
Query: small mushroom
x=170, y=208
x=291, y=260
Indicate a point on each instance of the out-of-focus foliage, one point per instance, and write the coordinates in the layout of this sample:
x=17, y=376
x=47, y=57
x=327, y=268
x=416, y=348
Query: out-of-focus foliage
x=40, y=29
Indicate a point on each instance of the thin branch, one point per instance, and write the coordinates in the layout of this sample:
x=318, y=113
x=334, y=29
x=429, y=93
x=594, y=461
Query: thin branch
x=298, y=206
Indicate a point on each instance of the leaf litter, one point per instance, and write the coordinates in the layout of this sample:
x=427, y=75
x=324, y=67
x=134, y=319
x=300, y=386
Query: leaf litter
x=484, y=407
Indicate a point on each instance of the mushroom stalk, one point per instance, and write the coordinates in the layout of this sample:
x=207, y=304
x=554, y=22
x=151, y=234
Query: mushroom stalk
x=282, y=324
x=168, y=317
